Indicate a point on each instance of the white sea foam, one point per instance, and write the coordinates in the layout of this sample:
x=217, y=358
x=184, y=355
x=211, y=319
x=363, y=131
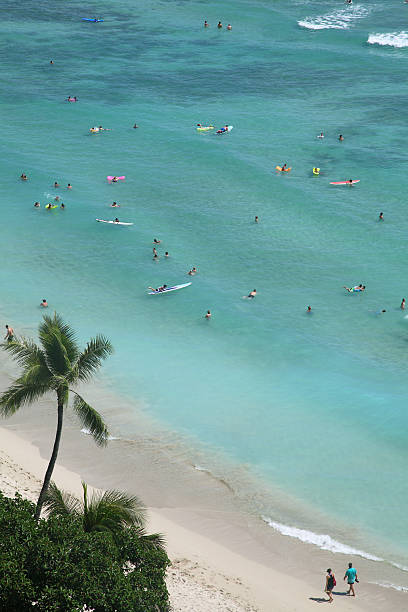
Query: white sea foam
x=389, y=585
x=88, y=433
x=341, y=19
x=390, y=39
x=325, y=542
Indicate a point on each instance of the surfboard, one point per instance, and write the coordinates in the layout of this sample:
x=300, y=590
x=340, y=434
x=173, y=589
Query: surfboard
x=174, y=288
x=283, y=170
x=89, y=19
x=113, y=222
x=120, y=178
x=344, y=182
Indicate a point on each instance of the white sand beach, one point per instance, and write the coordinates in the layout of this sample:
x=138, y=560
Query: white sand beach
x=230, y=571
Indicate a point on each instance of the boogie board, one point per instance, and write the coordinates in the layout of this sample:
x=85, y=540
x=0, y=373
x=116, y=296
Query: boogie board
x=344, y=182
x=113, y=222
x=283, y=170
x=120, y=178
x=175, y=288
x=205, y=128
x=51, y=207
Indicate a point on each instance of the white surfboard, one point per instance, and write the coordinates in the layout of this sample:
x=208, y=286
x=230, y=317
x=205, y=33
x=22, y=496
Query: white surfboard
x=113, y=222
x=175, y=288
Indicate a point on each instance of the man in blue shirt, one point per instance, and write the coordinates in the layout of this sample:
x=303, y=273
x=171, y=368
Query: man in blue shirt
x=351, y=575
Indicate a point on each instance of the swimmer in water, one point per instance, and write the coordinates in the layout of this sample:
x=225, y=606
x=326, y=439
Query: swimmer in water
x=36, y=205
x=56, y=184
x=62, y=205
x=206, y=24
x=219, y=26
x=23, y=177
x=166, y=254
x=355, y=289
x=69, y=186
x=284, y=167
x=229, y=27
x=56, y=199
x=309, y=309
x=51, y=62
x=316, y=171
x=117, y=220
x=321, y=135
x=252, y=294
x=135, y=126
x=341, y=137
x=9, y=334
x=154, y=251
x=155, y=241
x=256, y=219
x=402, y=306
x=192, y=272
x=208, y=315
x=115, y=179
x=114, y=205
x=44, y=303
x=350, y=182
x=381, y=216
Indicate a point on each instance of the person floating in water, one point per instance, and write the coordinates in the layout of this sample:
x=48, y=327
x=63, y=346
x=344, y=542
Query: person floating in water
x=284, y=167
x=114, y=205
x=355, y=289
x=381, y=216
x=69, y=186
x=44, y=303
x=155, y=241
x=229, y=27
x=219, y=26
x=193, y=271
x=56, y=185
x=36, y=205
x=341, y=137
x=252, y=294
x=23, y=177
x=206, y=24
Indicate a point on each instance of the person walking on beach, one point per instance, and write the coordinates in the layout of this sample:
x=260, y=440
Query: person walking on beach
x=330, y=584
x=9, y=334
x=351, y=575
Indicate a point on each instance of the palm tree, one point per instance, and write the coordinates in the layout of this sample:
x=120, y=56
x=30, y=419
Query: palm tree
x=54, y=367
x=109, y=511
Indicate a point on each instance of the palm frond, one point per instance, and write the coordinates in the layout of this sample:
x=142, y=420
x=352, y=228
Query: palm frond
x=155, y=540
x=25, y=351
x=19, y=394
x=60, y=503
x=55, y=325
x=129, y=507
x=97, y=349
x=91, y=420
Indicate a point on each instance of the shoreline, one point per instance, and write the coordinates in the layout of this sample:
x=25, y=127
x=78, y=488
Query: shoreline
x=218, y=552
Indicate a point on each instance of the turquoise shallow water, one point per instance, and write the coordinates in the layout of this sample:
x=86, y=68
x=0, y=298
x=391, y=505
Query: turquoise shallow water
x=314, y=405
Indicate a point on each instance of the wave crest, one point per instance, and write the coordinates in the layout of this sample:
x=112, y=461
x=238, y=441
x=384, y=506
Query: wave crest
x=325, y=542
x=338, y=20
x=390, y=39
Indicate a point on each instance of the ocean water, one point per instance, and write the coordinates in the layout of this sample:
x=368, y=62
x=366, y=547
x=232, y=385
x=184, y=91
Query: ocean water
x=312, y=405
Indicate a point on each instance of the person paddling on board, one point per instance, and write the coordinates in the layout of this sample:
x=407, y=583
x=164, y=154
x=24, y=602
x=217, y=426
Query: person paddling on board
x=350, y=182
x=115, y=179
x=159, y=289
x=355, y=289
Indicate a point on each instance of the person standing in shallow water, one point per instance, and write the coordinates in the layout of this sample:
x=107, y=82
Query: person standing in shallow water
x=381, y=216
x=9, y=334
x=330, y=584
x=403, y=304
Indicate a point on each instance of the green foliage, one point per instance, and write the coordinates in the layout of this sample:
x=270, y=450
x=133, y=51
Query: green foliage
x=61, y=568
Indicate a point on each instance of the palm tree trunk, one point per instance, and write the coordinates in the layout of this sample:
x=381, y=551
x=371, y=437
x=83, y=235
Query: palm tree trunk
x=51, y=464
